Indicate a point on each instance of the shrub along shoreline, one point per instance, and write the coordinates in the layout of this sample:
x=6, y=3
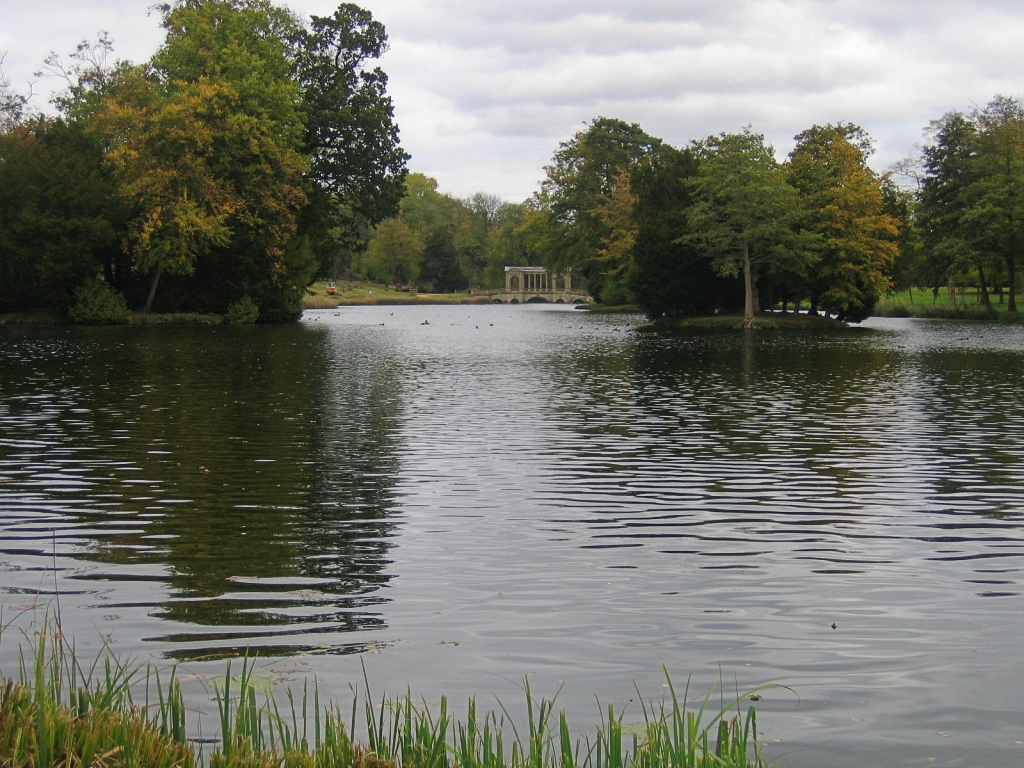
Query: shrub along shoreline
x=54, y=317
x=770, y=322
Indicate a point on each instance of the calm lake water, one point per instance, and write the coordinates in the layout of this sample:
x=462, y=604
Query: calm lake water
x=460, y=496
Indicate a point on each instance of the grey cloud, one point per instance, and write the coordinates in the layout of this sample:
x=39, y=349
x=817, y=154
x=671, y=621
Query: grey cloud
x=484, y=90
x=684, y=70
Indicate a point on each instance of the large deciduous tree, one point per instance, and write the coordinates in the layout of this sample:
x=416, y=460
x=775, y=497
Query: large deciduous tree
x=949, y=183
x=350, y=133
x=995, y=210
x=670, y=274
x=972, y=195
x=12, y=103
x=207, y=141
x=844, y=206
x=59, y=214
x=745, y=215
x=394, y=254
x=580, y=180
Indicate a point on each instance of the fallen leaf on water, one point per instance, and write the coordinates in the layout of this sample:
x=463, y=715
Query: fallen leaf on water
x=942, y=733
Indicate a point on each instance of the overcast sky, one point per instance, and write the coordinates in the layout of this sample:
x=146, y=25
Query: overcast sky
x=484, y=90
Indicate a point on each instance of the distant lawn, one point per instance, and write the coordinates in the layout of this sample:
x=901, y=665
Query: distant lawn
x=926, y=303
x=354, y=293
x=965, y=297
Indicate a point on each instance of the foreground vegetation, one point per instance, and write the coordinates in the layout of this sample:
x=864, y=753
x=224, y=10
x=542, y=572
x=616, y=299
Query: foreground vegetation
x=61, y=713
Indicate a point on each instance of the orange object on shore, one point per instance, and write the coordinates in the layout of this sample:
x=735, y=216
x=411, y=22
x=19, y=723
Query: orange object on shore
x=332, y=289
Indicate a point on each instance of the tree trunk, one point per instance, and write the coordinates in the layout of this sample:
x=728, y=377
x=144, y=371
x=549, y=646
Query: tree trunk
x=755, y=290
x=986, y=302
x=910, y=291
x=951, y=284
x=1011, y=267
x=152, y=288
x=748, y=289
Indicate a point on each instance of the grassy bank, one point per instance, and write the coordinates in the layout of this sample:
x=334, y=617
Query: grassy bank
x=892, y=308
x=614, y=309
x=776, y=321
x=60, y=317
x=176, y=318
x=929, y=304
x=34, y=317
x=354, y=293
x=60, y=713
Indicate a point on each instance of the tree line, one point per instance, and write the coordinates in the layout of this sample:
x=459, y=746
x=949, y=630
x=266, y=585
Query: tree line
x=438, y=242
x=256, y=152
x=251, y=153
x=723, y=225
x=718, y=225
x=970, y=200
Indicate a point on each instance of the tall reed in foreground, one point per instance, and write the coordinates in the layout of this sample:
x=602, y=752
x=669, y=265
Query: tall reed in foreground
x=113, y=714
x=63, y=714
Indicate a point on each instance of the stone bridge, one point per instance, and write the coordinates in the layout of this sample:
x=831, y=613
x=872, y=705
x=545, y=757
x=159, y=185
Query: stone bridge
x=524, y=285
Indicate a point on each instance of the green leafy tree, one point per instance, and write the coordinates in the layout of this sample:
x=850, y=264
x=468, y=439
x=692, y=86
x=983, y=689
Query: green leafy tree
x=394, y=254
x=458, y=233
x=614, y=256
x=950, y=184
x=900, y=206
x=159, y=148
x=671, y=275
x=206, y=143
x=60, y=217
x=350, y=132
x=12, y=103
x=844, y=206
x=511, y=242
x=745, y=216
x=440, y=269
x=995, y=200
x=580, y=181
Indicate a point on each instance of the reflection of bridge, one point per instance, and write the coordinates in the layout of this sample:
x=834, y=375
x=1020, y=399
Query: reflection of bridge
x=534, y=284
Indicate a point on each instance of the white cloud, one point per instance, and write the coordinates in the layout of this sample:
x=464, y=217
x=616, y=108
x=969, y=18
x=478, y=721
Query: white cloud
x=484, y=90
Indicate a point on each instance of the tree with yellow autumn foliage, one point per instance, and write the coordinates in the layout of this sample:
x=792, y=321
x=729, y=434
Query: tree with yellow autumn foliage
x=844, y=205
x=206, y=141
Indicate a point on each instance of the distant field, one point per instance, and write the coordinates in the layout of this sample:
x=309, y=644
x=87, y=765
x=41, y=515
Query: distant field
x=926, y=303
x=351, y=292
x=964, y=296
